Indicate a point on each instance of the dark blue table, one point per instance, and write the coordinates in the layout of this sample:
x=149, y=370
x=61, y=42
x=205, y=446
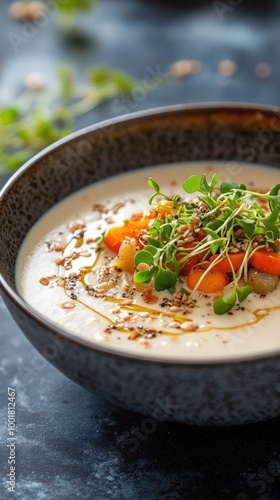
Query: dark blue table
x=69, y=443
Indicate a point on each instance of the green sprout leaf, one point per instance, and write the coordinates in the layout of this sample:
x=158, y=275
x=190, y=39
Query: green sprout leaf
x=243, y=292
x=224, y=304
x=214, y=239
x=214, y=181
x=66, y=75
x=154, y=242
x=165, y=279
x=192, y=184
x=153, y=184
x=248, y=225
x=204, y=186
x=227, y=187
x=99, y=239
x=152, y=249
x=175, y=265
x=9, y=115
x=143, y=276
x=143, y=257
x=274, y=198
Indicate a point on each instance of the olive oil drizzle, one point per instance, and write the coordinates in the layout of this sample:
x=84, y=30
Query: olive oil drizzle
x=154, y=313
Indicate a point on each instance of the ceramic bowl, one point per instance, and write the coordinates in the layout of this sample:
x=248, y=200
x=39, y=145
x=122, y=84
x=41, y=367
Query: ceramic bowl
x=200, y=392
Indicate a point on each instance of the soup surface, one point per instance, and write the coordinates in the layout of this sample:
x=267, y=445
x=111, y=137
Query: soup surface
x=65, y=272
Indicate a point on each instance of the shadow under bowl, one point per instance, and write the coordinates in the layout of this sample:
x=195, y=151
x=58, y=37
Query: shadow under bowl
x=197, y=393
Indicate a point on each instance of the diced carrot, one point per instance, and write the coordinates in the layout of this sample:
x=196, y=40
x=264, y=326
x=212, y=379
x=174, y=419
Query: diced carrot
x=137, y=216
x=213, y=281
x=186, y=266
x=161, y=211
x=200, y=236
x=233, y=260
x=115, y=235
x=267, y=261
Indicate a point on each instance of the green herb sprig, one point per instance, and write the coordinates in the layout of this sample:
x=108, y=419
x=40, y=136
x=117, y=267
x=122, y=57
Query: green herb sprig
x=42, y=116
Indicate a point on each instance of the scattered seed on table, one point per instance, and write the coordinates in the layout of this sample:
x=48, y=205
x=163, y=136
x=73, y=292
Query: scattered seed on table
x=35, y=82
x=227, y=67
x=263, y=70
x=184, y=68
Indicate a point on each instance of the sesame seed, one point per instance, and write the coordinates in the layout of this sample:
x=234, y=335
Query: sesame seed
x=58, y=248
x=262, y=312
x=68, y=305
x=143, y=267
x=133, y=335
x=126, y=302
x=144, y=342
x=126, y=317
x=44, y=281
x=116, y=310
x=75, y=225
x=189, y=326
x=174, y=324
x=60, y=282
x=175, y=309
x=143, y=314
x=85, y=254
x=60, y=262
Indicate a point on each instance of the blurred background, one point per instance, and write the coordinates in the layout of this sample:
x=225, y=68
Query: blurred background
x=65, y=64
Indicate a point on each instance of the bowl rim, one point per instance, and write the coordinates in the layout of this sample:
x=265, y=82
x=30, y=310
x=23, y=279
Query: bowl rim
x=130, y=118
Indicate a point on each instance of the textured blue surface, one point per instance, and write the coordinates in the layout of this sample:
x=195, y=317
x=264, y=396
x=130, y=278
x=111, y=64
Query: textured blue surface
x=71, y=444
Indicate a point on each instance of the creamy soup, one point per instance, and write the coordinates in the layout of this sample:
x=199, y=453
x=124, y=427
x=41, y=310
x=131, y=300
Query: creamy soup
x=65, y=272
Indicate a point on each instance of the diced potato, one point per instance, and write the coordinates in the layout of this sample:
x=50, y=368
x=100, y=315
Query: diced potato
x=262, y=283
x=125, y=257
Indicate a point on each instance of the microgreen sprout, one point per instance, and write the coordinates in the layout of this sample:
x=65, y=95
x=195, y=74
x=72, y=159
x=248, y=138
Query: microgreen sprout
x=219, y=222
x=99, y=239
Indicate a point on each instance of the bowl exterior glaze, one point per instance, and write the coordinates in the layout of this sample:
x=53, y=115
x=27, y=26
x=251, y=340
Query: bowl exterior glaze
x=215, y=393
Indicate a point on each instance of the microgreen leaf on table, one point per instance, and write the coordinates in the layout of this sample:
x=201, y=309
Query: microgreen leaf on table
x=43, y=115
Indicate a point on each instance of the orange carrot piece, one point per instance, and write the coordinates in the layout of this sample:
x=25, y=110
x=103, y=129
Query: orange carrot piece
x=213, y=281
x=115, y=235
x=186, y=266
x=224, y=266
x=267, y=261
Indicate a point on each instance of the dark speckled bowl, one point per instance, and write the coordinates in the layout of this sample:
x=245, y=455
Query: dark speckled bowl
x=213, y=393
